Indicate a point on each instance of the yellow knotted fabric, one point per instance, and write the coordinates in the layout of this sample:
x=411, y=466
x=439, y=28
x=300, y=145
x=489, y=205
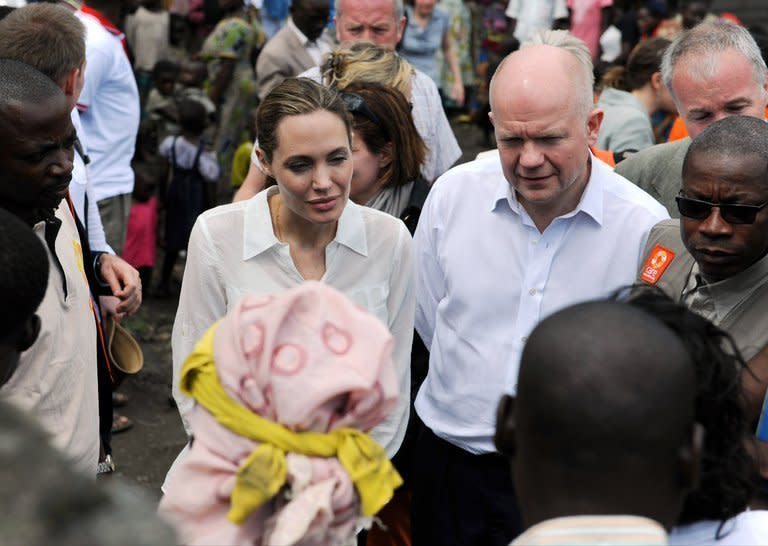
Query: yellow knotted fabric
x=263, y=473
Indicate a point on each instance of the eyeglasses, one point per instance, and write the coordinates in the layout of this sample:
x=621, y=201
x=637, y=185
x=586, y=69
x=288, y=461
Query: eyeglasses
x=356, y=105
x=731, y=213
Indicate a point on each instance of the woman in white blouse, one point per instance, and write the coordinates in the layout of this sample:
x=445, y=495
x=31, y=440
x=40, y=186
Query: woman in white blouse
x=303, y=228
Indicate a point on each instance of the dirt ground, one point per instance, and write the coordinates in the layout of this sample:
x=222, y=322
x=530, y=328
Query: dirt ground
x=144, y=453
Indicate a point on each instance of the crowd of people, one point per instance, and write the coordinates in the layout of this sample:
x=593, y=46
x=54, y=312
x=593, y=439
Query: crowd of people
x=563, y=341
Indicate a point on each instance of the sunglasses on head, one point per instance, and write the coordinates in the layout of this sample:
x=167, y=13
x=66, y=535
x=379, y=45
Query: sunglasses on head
x=731, y=212
x=356, y=105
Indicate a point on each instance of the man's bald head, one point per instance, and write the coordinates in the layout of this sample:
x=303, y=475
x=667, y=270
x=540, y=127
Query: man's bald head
x=605, y=405
x=550, y=59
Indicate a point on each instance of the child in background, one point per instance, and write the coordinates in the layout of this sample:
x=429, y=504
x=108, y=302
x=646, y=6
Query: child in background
x=142, y=223
x=192, y=187
x=192, y=76
x=241, y=161
x=161, y=104
x=148, y=32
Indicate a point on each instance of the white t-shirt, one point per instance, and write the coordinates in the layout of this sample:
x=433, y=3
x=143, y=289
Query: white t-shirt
x=534, y=16
x=109, y=110
x=148, y=33
x=749, y=528
x=80, y=188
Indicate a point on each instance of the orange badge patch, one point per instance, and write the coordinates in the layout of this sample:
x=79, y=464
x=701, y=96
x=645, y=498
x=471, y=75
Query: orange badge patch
x=658, y=261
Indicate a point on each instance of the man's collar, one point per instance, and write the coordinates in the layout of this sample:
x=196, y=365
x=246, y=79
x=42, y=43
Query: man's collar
x=592, y=198
x=259, y=236
x=727, y=293
x=618, y=529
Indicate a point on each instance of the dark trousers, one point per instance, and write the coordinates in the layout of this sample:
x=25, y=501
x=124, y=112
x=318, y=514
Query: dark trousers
x=461, y=499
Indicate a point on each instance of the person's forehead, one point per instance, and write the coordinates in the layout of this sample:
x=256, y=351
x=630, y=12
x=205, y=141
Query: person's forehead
x=314, y=134
x=26, y=121
x=536, y=78
x=695, y=74
x=367, y=11
x=726, y=174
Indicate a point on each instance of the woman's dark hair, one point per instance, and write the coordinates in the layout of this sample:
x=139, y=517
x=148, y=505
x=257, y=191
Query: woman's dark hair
x=643, y=62
x=728, y=472
x=295, y=97
x=393, y=125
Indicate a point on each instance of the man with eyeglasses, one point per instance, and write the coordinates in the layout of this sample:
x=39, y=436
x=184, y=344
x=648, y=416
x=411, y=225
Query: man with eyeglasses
x=713, y=71
x=714, y=259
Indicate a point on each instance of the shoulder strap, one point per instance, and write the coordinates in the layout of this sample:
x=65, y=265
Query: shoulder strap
x=199, y=152
x=173, y=151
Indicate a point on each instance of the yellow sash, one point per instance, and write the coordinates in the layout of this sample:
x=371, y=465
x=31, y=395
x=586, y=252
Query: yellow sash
x=263, y=473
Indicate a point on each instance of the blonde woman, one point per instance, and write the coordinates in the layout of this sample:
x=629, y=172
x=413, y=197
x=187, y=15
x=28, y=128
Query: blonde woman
x=365, y=61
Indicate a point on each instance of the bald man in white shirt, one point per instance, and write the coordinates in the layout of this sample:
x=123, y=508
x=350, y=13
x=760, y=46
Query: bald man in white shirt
x=499, y=246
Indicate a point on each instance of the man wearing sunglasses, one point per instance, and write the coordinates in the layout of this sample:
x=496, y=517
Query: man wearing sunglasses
x=712, y=71
x=714, y=259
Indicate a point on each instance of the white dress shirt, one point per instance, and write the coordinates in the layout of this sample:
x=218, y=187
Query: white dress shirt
x=80, y=187
x=486, y=276
x=749, y=528
x=233, y=251
x=429, y=119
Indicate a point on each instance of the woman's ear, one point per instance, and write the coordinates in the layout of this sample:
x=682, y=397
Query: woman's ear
x=264, y=164
x=385, y=156
x=656, y=82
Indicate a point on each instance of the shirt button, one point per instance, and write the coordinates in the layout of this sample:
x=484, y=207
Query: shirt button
x=532, y=291
x=524, y=339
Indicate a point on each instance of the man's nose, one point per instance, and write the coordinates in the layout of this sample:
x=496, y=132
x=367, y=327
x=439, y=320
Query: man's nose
x=63, y=163
x=530, y=155
x=714, y=225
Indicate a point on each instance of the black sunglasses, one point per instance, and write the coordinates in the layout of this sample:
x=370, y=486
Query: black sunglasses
x=356, y=105
x=731, y=213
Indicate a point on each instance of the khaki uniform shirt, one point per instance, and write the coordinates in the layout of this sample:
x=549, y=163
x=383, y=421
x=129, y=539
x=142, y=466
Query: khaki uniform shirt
x=737, y=305
x=56, y=378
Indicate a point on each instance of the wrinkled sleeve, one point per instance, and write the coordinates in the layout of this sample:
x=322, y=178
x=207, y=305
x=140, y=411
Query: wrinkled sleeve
x=96, y=237
x=95, y=71
x=209, y=167
x=429, y=277
x=201, y=303
x=400, y=309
